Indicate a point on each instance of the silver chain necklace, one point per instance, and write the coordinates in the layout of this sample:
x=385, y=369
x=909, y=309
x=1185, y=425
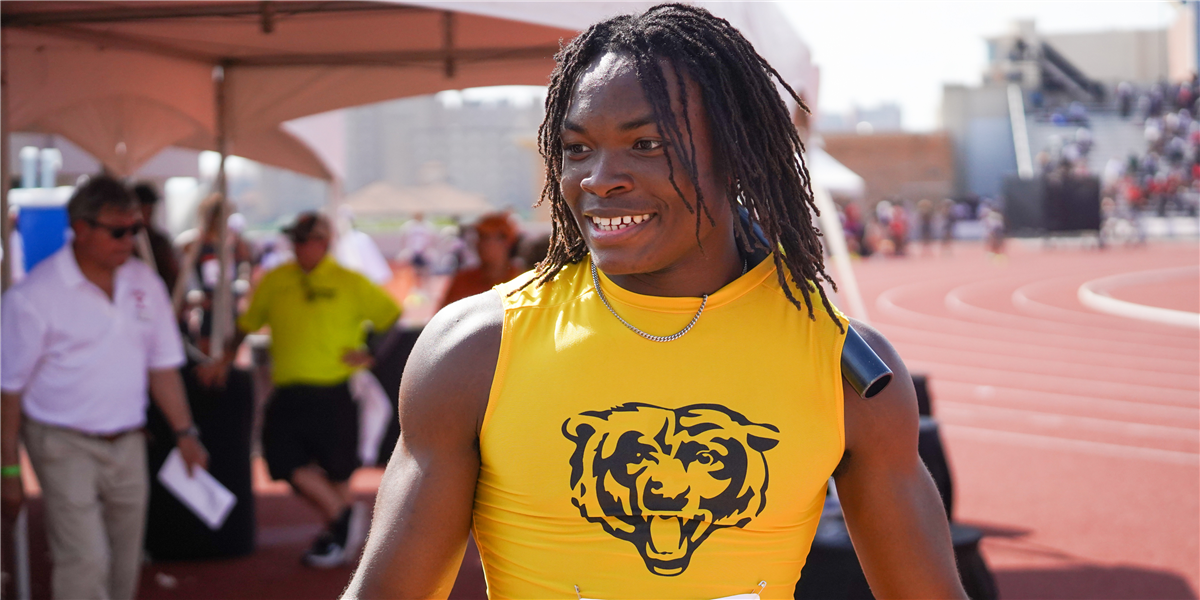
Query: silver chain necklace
x=655, y=338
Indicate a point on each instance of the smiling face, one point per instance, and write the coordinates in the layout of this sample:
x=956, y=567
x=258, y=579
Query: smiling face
x=617, y=182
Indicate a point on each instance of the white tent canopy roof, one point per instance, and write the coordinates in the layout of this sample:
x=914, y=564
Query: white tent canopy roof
x=835, y=177
x=126, y=79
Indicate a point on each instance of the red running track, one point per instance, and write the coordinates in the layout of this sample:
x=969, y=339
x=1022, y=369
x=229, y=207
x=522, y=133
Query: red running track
x=1074, y=436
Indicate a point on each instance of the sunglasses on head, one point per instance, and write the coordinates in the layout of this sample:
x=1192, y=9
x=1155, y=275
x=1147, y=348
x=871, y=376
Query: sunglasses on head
x=117, y=232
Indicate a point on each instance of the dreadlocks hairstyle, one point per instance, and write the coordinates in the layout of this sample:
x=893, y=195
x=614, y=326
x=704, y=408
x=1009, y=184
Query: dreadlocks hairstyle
x=753, y=136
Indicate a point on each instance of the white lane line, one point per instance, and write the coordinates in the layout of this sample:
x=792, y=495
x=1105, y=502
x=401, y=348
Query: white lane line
x=887, y=305
x=1045, y=442
x=1054, y=383
x=901, y=334
x=1094, y=295
x=1048, y=366
x=951, y=411
x=1022, y=300
x=956, y=302
x=965, y=392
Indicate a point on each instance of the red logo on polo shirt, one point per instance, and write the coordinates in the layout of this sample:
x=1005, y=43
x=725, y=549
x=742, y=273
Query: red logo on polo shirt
x=142, y=311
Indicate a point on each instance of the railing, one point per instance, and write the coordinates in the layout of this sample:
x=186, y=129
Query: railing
x=1016, y=117
x=1069, y=75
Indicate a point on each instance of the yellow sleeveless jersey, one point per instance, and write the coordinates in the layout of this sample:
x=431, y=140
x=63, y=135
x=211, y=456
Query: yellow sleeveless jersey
x=637, y=469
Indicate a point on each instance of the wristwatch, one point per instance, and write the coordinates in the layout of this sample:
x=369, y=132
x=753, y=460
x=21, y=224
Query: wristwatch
x=189, y=431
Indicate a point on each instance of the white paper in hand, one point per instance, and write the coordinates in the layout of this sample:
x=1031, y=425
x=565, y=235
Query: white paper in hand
x=201, y=493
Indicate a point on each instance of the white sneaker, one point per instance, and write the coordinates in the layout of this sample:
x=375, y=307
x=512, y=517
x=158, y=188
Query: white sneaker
x=356, y=534
x=326, y=552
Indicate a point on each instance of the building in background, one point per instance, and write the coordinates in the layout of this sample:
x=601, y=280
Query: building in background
x=1035, y=59
x=880, y=119
x=1041, y=91
x=978, y=123
x=479, y=141
x=897, y=165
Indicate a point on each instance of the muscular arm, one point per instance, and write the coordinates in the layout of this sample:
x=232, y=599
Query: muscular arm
x=166, y=388
x=892, y=509
x=423, y=510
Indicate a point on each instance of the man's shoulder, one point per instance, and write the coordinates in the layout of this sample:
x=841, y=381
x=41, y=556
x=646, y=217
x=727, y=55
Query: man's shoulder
x=452, y=365
x=18, y=294
x=355, y=281
x=889, y=419
x=527, y=289
x=45, y=278
x=461, y=326
x=826, y=319
x=278, y=273
x=340, y=271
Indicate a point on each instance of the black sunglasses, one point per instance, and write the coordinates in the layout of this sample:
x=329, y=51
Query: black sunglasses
x=117, y=232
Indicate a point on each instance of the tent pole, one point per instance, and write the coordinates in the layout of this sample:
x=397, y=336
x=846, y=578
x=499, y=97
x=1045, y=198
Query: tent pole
x=20, y=537
x=223, y=294
x=5, y=271
x=835, y=240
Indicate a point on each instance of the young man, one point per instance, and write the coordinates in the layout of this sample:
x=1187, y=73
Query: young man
x=317, y=310
x=655, y=412
x=85, y=335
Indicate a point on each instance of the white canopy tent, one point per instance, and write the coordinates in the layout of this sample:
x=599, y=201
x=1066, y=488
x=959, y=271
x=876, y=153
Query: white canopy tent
x=125, y=79
x=833, y=175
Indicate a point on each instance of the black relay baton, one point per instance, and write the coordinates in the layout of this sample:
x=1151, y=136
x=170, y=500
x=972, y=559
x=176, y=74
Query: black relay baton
x=862, y=368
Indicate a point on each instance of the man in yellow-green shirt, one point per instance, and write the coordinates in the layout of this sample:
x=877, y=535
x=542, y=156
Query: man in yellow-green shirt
x=317, y=311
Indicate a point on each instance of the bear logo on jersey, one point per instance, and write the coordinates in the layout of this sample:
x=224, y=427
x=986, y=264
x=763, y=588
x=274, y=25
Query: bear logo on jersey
x=665, y=479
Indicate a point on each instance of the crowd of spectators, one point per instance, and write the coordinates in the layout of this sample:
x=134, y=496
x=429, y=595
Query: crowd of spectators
x=315, y=284
x=894, y=224
x=1162, y=177
x=1165, y=177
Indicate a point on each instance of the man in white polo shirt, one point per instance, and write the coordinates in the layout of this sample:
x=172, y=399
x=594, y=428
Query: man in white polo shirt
x=85, y=334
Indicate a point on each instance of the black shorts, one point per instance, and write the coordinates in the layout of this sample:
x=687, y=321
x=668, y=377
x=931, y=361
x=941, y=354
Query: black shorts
x=307, y=424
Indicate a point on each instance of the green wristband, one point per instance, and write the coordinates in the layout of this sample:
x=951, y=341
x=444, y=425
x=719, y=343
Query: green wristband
x=8, y=471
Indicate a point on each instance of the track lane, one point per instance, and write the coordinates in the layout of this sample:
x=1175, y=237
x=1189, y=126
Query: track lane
x=1074, y=427
x=890, y=310
x=901, y=335
x=949, y=390
x=1052, y=366
x=1004, y=348
x=970, y=302
x=1072, y=433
